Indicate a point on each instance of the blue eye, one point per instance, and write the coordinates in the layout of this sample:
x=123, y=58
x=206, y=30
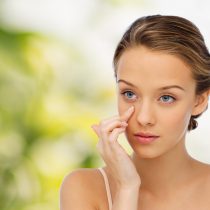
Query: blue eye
x=129, y=95
x=167, y=99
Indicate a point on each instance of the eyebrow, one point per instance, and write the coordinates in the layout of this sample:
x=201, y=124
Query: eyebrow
x=162, y=88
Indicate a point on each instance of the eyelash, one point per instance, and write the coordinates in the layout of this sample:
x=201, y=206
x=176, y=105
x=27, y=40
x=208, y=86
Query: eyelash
x=131, y=100
x=124, y=94
x=173, y=99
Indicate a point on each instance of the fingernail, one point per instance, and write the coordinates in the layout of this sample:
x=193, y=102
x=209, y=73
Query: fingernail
x=131, y=108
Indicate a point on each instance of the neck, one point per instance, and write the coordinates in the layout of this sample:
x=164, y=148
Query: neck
x=165, y=173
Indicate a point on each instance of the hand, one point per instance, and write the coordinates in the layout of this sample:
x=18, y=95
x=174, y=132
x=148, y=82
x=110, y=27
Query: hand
x=117, y=160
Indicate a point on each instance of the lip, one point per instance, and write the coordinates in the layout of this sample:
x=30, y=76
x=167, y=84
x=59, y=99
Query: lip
x=145, y=138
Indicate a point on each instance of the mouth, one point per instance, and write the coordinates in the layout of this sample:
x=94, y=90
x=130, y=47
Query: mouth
x=145, y=138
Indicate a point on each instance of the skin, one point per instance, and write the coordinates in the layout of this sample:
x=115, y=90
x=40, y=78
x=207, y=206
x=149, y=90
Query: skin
x=160, y=175
x=162, y=112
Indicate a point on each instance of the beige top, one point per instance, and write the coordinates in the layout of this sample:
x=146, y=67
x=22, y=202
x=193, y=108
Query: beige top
x=108, y=192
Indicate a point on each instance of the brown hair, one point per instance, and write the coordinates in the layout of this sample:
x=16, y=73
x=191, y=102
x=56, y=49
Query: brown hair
x=173, y=35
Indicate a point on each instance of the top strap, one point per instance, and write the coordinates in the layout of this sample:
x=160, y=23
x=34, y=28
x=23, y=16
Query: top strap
x=108, y=192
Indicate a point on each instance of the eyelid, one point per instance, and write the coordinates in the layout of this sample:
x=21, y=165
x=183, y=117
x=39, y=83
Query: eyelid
x=168, y=94
x=123, y=90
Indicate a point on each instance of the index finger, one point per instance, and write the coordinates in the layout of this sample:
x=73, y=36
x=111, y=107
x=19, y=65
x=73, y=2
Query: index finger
x=127, y=114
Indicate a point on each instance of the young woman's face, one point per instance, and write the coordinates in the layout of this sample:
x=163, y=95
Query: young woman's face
x=161, y=88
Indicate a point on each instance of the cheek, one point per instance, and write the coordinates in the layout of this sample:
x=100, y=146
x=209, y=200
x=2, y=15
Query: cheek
x=122, y=105
x=178, y=120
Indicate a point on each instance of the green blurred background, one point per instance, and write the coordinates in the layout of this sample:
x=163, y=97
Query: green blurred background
x=56, y=80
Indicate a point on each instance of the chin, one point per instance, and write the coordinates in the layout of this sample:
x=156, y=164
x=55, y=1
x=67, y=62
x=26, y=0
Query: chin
x=144, y=155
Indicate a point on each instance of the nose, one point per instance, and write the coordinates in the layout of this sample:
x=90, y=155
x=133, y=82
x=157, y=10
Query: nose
x=145, y=114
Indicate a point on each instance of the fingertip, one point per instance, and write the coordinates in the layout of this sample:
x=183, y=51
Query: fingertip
x=130, y=111
x=131, y=108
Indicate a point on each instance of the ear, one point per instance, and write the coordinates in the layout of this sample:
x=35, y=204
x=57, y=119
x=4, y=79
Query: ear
x=201, y=103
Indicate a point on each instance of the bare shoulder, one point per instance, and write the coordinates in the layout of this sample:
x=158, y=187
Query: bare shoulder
x=80, y=178
x=79, y=190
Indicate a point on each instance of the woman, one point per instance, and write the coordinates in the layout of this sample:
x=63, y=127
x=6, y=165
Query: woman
x=162, y=70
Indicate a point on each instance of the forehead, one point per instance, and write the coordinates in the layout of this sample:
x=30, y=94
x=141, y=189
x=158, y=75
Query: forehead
x=141, y=65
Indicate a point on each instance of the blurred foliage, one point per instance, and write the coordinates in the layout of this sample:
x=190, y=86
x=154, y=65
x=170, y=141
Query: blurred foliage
x=47, y=105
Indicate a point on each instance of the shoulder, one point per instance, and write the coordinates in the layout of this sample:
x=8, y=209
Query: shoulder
x=83, y=175
x=78, y=189
x=80, y=180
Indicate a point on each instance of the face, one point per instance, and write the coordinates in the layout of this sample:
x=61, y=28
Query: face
x=161, y=88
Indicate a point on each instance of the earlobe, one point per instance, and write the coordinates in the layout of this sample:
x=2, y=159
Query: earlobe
x=201, y=103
